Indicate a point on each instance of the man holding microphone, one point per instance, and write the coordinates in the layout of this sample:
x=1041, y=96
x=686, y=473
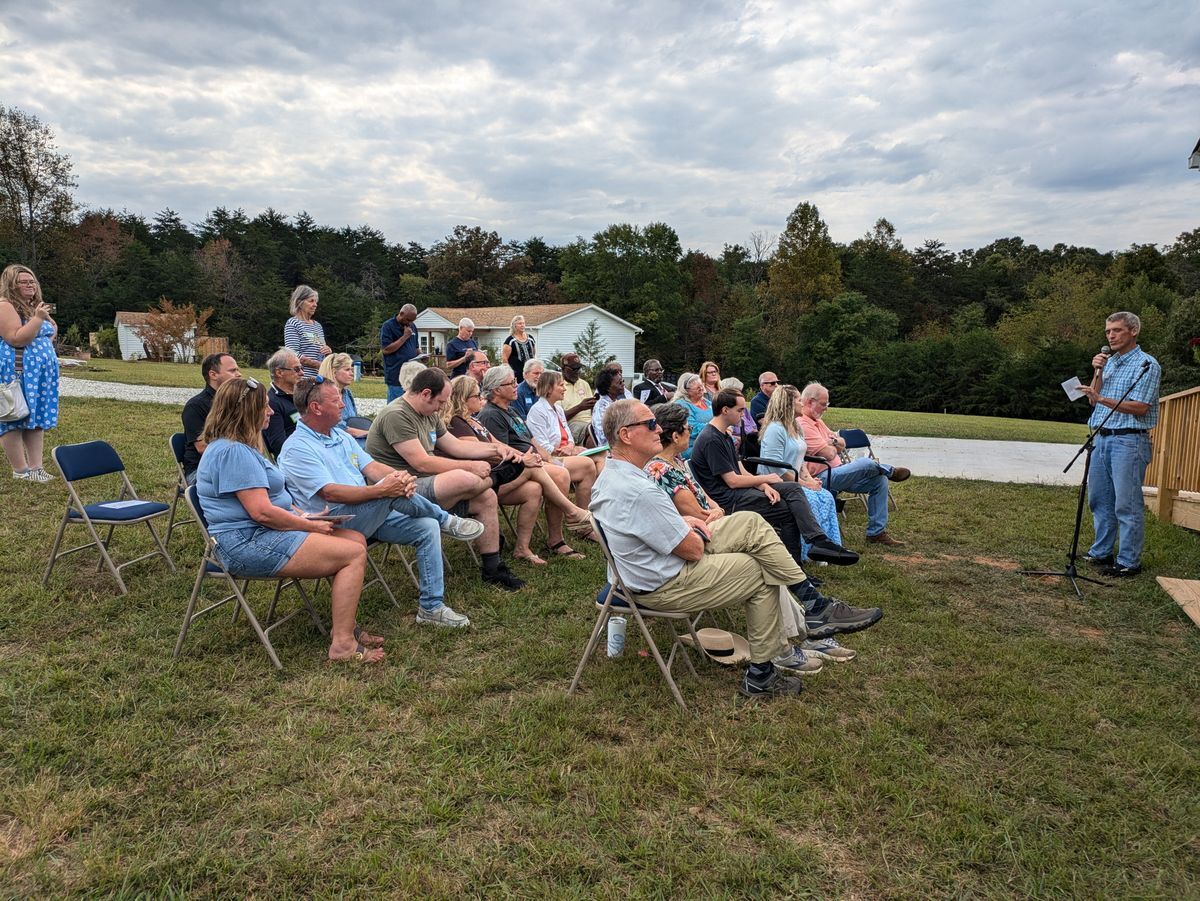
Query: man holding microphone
x=1122, y=446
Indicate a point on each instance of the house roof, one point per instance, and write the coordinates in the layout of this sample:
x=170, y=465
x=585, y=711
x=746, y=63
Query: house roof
x=501, y=317
x=131, y=319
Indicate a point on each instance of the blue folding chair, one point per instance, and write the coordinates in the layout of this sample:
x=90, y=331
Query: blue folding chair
x=211, y=567
x=858, y=444
x=177, y=444
x=92, y=459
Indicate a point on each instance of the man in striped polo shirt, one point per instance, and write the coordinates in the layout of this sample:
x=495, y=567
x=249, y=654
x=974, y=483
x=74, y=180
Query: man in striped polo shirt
x=1122, y=446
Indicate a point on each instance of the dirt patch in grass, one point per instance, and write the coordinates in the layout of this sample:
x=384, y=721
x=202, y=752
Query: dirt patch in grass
x=839, y=862
x=944, y=559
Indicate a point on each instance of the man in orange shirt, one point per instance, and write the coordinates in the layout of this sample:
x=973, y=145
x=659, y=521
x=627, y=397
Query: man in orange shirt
x=864, y=474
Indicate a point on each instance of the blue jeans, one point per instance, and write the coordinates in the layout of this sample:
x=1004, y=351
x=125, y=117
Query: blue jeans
x=1115, y=496
x=394, y=391
x=412, y=521
x=869, y=477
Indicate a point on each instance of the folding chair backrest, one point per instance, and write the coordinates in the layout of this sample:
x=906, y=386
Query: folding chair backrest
x=193, y=499
x=177, y=447
x=855, y=439
x=358, y=422
x=620, y=589
x=87, y=460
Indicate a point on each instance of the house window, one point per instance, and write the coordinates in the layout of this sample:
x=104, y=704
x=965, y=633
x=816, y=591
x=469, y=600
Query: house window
x=431, y=342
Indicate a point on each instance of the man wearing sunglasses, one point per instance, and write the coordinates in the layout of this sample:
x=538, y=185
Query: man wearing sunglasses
x=285, y=370
x=685, y=564
x=767, y=383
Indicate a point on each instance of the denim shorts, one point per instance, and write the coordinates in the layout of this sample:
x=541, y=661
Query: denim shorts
x=425, y=489
x=257, y=552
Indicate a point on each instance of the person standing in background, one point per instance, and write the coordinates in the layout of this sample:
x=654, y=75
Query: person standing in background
x=27, y=354
x=518, y=347
x=302, y=334
x=398, y=338
x=458, y=348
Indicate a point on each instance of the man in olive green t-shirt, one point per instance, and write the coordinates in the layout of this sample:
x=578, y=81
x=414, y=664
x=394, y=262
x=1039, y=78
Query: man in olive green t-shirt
x=406, y=434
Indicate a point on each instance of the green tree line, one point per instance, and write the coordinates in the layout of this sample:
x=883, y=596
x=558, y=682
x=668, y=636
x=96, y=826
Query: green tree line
x=991, y=330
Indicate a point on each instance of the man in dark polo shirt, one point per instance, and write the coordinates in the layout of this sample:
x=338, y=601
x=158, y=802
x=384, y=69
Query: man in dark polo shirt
x=217, y=369
x=285, y=370
x=398, y=338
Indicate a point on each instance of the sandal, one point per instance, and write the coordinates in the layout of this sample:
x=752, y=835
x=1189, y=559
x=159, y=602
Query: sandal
x=531, y=558
x=362, y=636
x=562, y=549
x=361, y=656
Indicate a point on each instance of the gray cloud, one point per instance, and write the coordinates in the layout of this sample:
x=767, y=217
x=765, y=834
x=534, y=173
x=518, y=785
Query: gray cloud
x=963, y=123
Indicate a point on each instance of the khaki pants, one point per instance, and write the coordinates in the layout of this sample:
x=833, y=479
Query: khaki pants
x=744, y=563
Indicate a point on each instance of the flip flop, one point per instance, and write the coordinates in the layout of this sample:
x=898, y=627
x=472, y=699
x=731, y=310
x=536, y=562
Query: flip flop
x=530, y=558
x=562, y=549
x=359, y=657
x=362, y=636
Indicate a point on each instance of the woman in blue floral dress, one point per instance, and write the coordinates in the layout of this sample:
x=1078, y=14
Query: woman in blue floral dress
x=27, y=351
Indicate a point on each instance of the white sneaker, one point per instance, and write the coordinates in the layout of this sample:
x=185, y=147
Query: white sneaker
x=24, y=476
x=798, y=663
x=443, y=616
x=828, y=649
x=463, y=529
x=39, y=475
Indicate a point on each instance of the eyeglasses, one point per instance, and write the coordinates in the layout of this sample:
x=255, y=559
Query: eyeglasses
x=251, y=385
x=27, y=283
x=507, y=384
x=294, y=368
x=650, y=424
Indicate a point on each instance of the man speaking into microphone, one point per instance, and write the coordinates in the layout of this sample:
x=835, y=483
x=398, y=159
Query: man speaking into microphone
x=1122, y=446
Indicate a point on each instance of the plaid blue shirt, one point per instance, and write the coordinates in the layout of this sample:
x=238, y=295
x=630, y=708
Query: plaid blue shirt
x=1119, y=373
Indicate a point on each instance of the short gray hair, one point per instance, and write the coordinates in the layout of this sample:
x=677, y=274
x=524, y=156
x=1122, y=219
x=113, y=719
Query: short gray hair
x=731, y=382
x=530, y=363
x=618, y=415
x=682, y=385
x=281, y=359
x=812, y=391
x=301, y=294
x=493, y=378
x=466, y=322
x=1130, y=319
x=408, y=372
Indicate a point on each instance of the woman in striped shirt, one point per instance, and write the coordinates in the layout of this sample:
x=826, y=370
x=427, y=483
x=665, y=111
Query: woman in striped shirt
x=303, y=334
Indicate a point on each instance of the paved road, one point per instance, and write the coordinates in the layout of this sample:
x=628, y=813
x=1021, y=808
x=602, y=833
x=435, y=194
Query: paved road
x=992, y=461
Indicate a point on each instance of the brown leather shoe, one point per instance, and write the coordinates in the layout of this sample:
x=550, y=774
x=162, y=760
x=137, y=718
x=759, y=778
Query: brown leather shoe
x=885, y=539
x=899, y=474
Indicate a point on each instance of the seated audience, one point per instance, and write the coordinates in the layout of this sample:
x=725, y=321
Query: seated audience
x=747, y=426
x=339, y=369
x=408, y=372
x=864, y=474
x=478, y=366
x=249, y=513
x=671, y=474
x=408, y=434
x=686, y=564
x=578, y=400
x=547, y=420
x=327, y=472
x=527, y=390
x=782, y=440
x=284, y=368
x=610, y=386
x=217, y=369
x=689, y=394
x=710, y=378
x=652, y=389
x=766, y=387
x=522, y=484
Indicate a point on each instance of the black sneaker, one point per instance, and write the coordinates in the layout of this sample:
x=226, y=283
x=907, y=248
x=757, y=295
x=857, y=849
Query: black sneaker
x=775, y=685
x=824, y=550
x=502, y=578
x=837, y=618
x=1098, y=561
x=1117, y=571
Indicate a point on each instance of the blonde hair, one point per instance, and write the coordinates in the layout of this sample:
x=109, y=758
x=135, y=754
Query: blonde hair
x=547, y=382
x=9, y=292
x=333, y=363
x=462, y=389
x=512, y=325
x=781, y=408
x=236, y=417
x=704, y=367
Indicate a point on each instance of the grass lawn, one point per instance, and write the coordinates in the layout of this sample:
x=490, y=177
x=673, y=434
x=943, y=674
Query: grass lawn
x=876, y=422
x=995, y=737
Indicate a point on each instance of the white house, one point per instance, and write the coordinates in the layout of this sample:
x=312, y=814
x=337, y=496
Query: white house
x=132, y=346
x=554, y=328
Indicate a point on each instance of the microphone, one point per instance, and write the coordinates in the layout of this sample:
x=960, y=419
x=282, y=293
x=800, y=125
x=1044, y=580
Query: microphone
x=1106, y=350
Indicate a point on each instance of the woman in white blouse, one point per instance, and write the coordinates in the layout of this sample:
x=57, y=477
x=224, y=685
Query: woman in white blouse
x=548, y=422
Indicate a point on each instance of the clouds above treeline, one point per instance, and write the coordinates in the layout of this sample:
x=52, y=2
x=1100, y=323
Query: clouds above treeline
x=1056, y=122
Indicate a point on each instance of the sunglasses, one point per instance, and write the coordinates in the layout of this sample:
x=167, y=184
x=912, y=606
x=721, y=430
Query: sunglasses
x=251, y=385
x=650, y=424
x=770, y=383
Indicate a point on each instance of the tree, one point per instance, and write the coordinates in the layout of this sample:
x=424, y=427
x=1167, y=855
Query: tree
x=804, y=272
x=878, y=266
x=171, y=332
x=35, y=179
x=592, y=351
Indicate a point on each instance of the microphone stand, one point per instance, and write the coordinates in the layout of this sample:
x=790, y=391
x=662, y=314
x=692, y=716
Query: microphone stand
x=1071, y=572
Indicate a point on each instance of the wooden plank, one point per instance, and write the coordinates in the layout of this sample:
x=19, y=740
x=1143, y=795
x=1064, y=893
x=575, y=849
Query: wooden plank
x=1186, y=514
x=1186, y=593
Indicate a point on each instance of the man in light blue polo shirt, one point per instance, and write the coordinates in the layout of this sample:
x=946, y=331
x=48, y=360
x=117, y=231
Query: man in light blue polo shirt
x=1122, y=447
x=326, y=468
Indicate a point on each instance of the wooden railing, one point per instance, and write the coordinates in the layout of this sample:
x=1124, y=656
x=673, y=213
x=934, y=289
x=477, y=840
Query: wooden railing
x=1175, y=464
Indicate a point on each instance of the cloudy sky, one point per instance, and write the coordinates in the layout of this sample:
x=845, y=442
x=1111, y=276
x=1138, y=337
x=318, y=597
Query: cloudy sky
x=1056, y=121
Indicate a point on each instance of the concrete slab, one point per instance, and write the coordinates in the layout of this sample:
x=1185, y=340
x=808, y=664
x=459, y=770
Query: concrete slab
x=989, y=461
